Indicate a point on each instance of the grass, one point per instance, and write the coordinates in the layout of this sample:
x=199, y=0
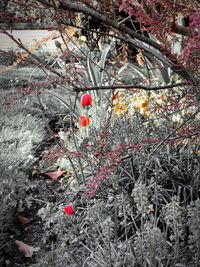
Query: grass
x=20, y=133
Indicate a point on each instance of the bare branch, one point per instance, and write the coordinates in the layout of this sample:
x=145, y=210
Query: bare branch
x=130, y=86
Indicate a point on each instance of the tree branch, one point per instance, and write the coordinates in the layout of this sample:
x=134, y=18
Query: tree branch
x=164, y=57
x=132, y=42
x=72, y=6
x=130, y=86
x=178, y=29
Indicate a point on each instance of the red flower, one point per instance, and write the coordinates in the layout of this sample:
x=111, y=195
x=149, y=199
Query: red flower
x=86, y=100
x=84, y=121
x=69, y=210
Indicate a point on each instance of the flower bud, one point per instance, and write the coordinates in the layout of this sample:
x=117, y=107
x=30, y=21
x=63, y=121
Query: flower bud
x=86, y=100
x=69, y=210
x=84, y=121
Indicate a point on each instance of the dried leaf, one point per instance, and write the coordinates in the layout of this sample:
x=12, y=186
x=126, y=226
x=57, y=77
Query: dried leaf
x=24, y=220
x=55, y=175
x=25, y=249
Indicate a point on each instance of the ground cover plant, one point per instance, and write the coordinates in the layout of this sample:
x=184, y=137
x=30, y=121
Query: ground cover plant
x=100, y=156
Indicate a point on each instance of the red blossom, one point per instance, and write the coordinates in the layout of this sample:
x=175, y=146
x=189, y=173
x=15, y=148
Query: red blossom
x=84, y=121
x=69, y=210
x=86, y=100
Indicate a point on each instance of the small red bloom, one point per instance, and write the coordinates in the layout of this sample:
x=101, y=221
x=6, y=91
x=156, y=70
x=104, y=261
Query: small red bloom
x=84, y=121
x=69, y=210
x=86, y=100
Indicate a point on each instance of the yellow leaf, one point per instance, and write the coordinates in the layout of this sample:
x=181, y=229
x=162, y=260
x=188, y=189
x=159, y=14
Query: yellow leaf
x=139, y=58
x=197, y=152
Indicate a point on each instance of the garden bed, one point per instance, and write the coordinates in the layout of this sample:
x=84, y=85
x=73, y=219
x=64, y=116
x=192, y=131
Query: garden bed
x=134, y=196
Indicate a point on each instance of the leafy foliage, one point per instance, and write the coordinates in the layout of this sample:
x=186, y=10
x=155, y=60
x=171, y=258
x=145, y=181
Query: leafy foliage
x=134, y=166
